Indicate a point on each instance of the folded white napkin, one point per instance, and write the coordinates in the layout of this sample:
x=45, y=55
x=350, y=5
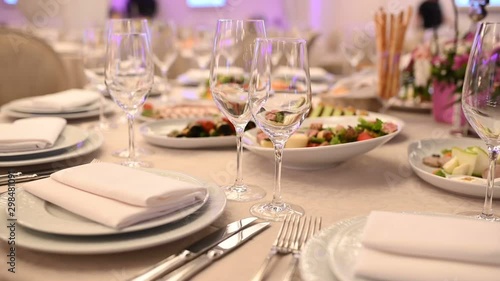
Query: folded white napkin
x=398, y=246
x=115, y=195
x=61, y=101
x=197, y=74
x=30, y=133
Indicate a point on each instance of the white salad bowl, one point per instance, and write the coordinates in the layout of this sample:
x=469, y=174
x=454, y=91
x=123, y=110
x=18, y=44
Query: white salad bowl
x=312, y=158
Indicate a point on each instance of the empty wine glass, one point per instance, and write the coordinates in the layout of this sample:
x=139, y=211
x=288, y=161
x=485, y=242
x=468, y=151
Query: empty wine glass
x=129, y=72
x=279, y=103
x=352, y=48
x=481, y=100
x=165, y=51
x=203, y=41
x=229, y=74
x=94, y=58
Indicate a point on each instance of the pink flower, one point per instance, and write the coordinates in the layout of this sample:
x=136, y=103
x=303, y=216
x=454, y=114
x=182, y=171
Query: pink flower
x=421, y=52
x=460, y=61
x=437, y=60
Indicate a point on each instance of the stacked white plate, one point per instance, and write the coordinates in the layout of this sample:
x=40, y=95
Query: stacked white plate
x=331, y=255
x=46, y=227
x=72, y=142
x=18, y=109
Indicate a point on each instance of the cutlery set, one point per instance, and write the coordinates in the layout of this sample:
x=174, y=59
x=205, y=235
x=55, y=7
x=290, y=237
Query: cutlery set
x=203, y=252
x=25, y=177
x=293, y=234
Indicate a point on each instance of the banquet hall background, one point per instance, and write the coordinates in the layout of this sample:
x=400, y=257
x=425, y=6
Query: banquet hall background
x=324, y=22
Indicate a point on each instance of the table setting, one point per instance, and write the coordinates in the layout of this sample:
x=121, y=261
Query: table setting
x=348, y=196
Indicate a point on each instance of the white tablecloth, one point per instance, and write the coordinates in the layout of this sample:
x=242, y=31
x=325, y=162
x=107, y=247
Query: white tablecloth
x=380, y=180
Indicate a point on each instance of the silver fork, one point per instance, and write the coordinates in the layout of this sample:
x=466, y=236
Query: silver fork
x=308, y=229
x=282, y=244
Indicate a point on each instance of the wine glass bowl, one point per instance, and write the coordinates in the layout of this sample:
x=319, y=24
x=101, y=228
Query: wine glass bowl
x=94, y=59
x=202, y=46
x=280, y=99
x=165, y=49
x=481, y=101
x=129, y=72
x=229, y=76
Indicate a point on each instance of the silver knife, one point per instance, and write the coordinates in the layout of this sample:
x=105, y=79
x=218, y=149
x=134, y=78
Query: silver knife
x=25, y=178
x=195, y=266
x=192, y=251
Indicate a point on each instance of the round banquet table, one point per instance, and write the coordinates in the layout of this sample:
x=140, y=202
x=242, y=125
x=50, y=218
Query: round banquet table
x=379, y=180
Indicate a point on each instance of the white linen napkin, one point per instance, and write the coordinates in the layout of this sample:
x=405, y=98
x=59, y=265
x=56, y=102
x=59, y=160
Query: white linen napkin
x=30, y=133
x=115, y=195
x=61, y=101
x=400, y=246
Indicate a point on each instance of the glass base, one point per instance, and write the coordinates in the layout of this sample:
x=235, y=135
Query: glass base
x=139, y=151
x=136, y=164
x=244, y=193
x=480, y=216
x=275, y=212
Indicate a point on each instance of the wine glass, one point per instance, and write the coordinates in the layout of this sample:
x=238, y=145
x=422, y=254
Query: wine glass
x=229, y=74
x=129, y=72
x=481, y=100
x=165, y=50
x=279, y=103
x=203, y=41
x=94, y=58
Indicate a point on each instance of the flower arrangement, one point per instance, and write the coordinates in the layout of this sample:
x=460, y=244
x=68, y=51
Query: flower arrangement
x=450, y=65
x=417, y=75
x=425, y=71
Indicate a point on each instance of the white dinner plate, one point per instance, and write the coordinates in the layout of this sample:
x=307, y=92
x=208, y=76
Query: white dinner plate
x=155, y=132
x=92, y=143
x=408, y=105
x=69, y=137
x=65, y=244
x=423, y=148
x=314, y=263
x=38, y=214
x=318, y=88
x=343, y=248
x=316, y=74
x=20, y=106
x=311, y=158
x=11, y=112
x=193, y=77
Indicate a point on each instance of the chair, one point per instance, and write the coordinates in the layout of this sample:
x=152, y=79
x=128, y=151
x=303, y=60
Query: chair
x=29, y=67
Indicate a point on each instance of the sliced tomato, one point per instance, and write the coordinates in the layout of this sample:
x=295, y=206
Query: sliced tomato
x=207, y=125
x=147, y=106
x=364, y=136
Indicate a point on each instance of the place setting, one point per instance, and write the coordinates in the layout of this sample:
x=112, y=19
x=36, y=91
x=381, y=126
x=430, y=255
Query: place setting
x=69, y=104
x=22, y=143
x=102, y=219
x=391, y=246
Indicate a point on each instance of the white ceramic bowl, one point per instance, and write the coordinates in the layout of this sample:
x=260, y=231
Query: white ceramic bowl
x=312, y=158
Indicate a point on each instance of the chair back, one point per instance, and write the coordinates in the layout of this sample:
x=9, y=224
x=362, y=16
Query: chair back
x=28, y=67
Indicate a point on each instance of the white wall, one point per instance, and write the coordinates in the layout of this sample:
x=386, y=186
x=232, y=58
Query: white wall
x=177, y=10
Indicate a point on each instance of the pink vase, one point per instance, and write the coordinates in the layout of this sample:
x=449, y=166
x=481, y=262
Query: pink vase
x=443, y=98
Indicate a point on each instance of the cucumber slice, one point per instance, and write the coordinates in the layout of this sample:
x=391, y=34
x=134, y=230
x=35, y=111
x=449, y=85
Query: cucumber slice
x=465, y=157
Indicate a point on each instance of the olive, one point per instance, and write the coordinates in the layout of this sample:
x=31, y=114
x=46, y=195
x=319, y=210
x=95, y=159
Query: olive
x=224, y=129
x=195, y=131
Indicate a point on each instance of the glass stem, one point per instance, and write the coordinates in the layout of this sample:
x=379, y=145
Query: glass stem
x=102, y=118
x=488, y=199
x=131, y=144
x=164, y=74
x=240, y=187
x=278, y=155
